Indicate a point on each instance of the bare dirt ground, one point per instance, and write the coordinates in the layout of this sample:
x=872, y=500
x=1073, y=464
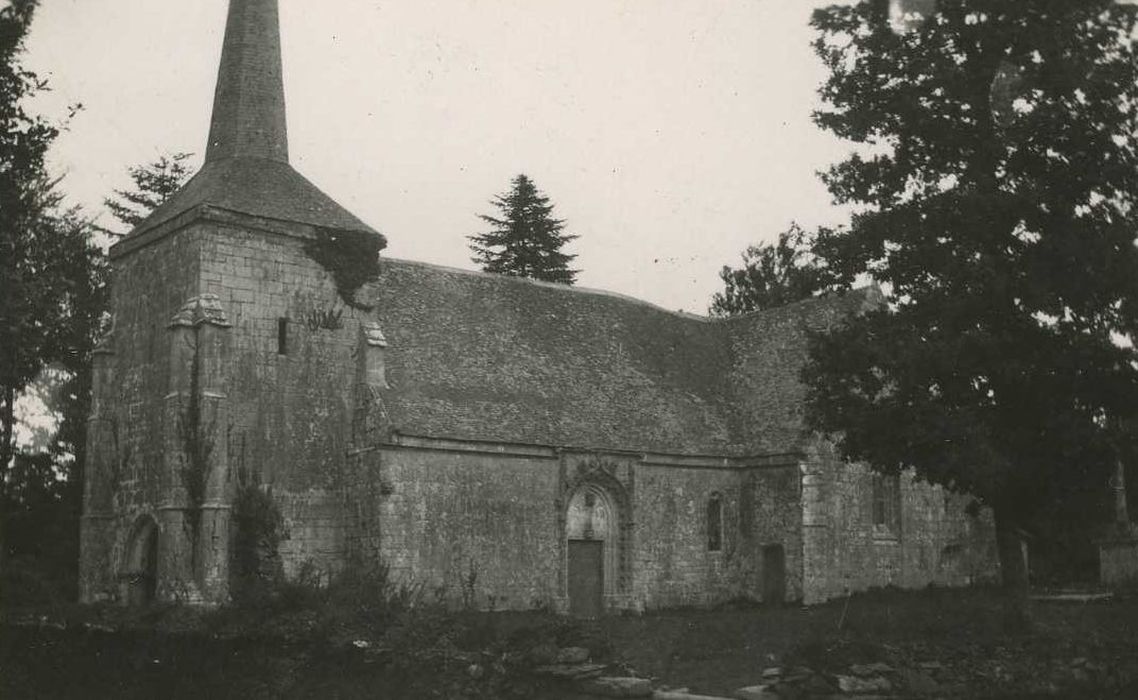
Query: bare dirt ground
x=952, y=641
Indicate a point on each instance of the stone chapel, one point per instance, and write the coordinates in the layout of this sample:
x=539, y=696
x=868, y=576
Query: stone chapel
x=520, y=443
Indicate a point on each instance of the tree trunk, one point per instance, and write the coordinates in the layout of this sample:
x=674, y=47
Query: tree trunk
x=7, y=452
x=1010, y=546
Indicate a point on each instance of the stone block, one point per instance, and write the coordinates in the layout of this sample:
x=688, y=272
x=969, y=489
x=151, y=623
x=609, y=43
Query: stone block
x=918, y=682
x=678, y=695
x=572, y=655
x=756, y=692
x=1118, y=561
x=873, y=669
x=617, y=687
x=854, y=684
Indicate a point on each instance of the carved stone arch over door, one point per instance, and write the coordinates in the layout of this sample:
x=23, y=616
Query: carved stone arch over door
x=595, y=527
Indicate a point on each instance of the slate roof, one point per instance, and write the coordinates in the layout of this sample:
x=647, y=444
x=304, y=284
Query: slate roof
x=487, y=357
x=260, y=187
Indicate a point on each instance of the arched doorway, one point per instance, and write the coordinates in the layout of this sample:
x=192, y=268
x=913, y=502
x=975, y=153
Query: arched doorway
x=592, y=548
x=140, y=573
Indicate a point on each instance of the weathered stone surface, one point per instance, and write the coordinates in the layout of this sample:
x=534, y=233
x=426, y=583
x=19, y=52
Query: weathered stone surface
x=854, y=684
x=572, y=655
x=676, y=695
x=571, y=671
x=756, y=692
x=918, y=682
x=617, y=687
x=486, y=400
x=815, y=685
x=873, y=669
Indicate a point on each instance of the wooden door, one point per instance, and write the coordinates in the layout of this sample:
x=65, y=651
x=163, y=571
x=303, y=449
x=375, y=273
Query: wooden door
x=774, y=574
x=586, y=577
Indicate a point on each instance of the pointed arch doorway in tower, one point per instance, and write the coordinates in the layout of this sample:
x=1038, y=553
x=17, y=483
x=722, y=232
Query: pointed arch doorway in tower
x=592, y=550
x=140, y=572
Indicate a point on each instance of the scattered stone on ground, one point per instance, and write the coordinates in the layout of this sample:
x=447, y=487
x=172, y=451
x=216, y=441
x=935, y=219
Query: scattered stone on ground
x=918, y=682
x=617, y=687
x=571, y=671
x=674, y=695
x=572, y=655
x=860, y=685
x=873, y=669
x=544, y=654
x=756, y=692
x=1094, y=597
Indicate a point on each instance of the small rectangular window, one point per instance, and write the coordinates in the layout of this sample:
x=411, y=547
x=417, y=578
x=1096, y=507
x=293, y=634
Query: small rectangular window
x=282, y=336
x=887, y=502
x=714, y=524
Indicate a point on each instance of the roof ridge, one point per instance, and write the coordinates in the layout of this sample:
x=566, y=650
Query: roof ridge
x=512, y=279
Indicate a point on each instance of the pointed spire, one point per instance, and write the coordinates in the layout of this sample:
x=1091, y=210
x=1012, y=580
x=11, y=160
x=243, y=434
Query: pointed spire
x=246, y=168
x=248, y=105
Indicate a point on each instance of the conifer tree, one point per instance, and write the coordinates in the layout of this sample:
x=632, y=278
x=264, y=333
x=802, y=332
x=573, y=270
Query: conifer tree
x=154, y=183
x=524, y=240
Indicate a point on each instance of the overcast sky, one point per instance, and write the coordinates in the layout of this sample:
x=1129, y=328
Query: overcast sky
x=669, y=134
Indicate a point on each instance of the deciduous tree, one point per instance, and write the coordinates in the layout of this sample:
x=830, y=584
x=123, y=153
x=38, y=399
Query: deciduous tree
x=774, y=274
x=47, y=258
x=997, y=178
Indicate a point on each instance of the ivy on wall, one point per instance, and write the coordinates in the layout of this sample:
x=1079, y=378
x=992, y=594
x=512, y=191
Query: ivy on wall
x=197, y=448
x=255, y=564
x=351, y=257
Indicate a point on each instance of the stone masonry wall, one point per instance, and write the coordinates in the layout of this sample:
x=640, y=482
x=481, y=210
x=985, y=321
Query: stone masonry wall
x=673, y=566
x=127, y=474
x=935, y=542
x=470, y=529
x=769, y=349
x=488, y=529
x=290, y=411
x=772, y=498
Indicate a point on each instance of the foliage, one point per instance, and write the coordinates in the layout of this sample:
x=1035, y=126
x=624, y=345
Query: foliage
x=352, y=257
x=526, y=240
x=775, y=274
x=41, y=520
x=154, y=183
x=997, y=179
x=255, y=564
x=50, y=272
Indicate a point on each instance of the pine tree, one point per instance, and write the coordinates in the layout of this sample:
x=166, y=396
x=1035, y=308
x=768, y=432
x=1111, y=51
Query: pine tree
x=524, y=239
x=154, y=183
x=998, y=204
